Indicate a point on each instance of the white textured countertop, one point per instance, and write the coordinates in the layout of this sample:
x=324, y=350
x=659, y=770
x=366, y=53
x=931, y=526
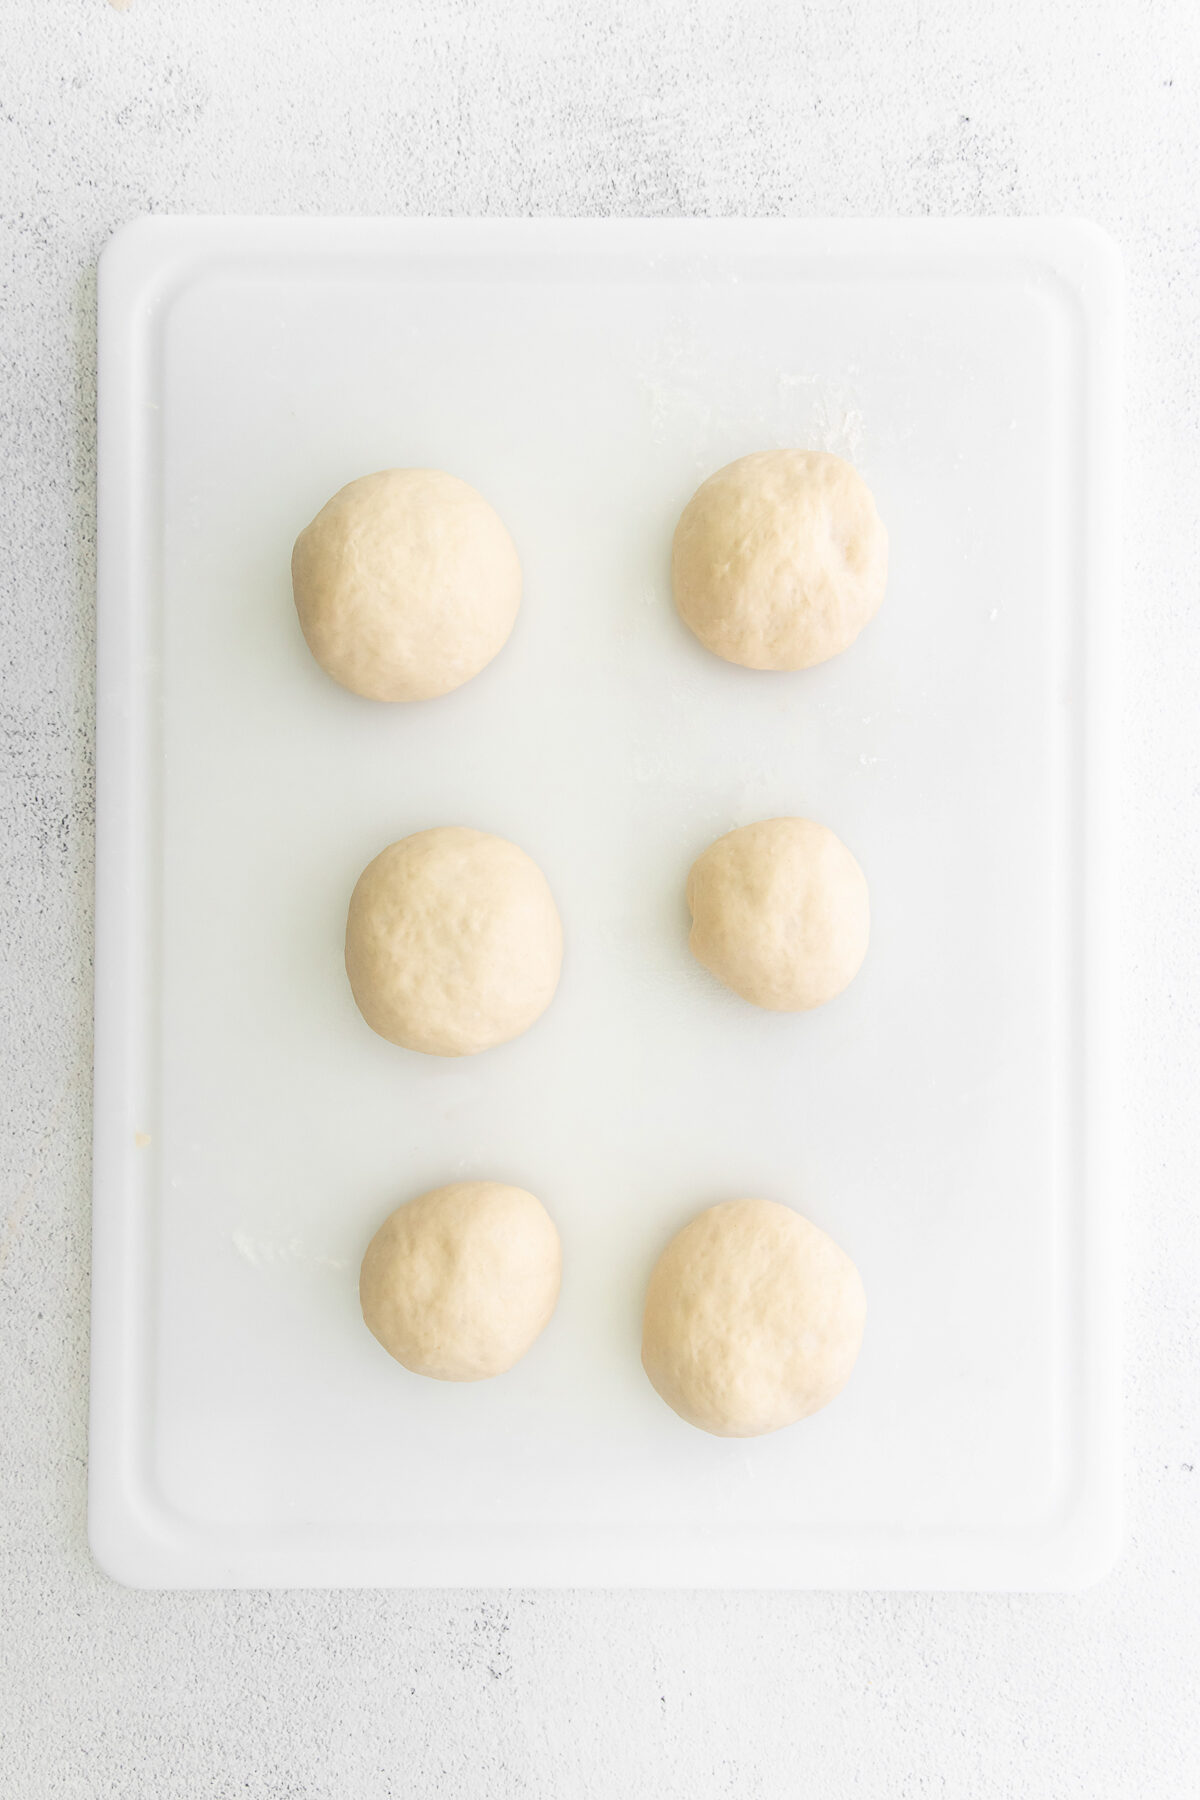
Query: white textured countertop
x=565, y=106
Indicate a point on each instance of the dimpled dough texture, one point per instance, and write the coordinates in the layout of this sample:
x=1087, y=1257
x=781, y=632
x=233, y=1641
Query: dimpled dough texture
x=780, y=913
x=406, y=584
x=753, y=1319
x=458, y=1283
x=453, y=942
x=780, y=559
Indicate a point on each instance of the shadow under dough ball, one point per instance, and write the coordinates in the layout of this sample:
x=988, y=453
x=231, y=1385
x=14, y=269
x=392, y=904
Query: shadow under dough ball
x=458, y=1283
x=754, y=1319
x=406, y=584
x=453, y=942
x=780, y=559
x=780, y=913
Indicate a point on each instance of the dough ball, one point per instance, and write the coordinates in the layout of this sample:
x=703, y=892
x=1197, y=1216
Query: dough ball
x=780, y=913
x=406, y=584
x=453, y=942
x=458, y=1283
x=780, y=559
x=753, y=1319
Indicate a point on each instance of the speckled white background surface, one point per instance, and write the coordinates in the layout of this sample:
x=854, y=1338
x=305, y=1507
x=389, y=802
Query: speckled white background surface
x=572, y=106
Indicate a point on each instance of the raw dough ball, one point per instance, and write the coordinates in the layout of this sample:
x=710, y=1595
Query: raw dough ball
x=780, y=559
x=753, y=1319
x=406, y=584
x=459, y=1283
x=453, y=942
x=780, y=913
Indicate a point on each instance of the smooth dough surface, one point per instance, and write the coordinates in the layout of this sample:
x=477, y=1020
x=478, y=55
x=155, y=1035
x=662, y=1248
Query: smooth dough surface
x=406, y=584
x=458, y=1283
x=754, y=1318
x=780, y=913
x=453, y=942
x=780, y=559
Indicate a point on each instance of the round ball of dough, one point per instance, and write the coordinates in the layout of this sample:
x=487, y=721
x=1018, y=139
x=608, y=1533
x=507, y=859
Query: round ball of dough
x=780, y=913
x=458, y=1283
x=780, y=559
x=453, y=942
x=406, y=584
x=753, y=1320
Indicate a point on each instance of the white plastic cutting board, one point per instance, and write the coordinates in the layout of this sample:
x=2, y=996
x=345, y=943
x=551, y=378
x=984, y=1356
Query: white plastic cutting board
x=945, y=1119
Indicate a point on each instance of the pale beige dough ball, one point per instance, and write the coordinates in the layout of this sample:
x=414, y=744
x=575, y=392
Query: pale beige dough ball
x=406, y=584
x=458, y=1283
x=780, y=559
x=753, y=1319
x=453, y=942
x=780, y=913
